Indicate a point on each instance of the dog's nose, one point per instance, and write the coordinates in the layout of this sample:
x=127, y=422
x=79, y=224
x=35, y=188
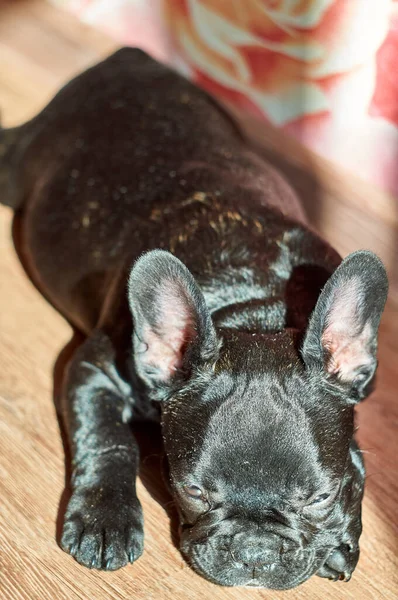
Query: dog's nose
x=252, y=556
x=256, y=553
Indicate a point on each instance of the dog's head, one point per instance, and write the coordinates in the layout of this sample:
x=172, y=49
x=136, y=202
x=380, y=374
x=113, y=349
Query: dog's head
x=257, y=432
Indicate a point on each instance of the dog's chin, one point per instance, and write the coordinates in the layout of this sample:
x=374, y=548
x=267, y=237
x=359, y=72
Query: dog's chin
x=215, y=563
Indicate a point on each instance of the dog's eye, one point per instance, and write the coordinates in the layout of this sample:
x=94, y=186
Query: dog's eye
x=319, y=499
x=193, y=491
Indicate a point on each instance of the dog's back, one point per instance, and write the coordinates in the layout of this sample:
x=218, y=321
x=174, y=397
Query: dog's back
x=100, y=171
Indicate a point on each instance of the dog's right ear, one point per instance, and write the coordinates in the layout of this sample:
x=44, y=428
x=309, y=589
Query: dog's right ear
x=174, y=336
x=341, y=339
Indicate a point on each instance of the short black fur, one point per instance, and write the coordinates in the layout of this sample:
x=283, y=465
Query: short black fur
x=207, y=303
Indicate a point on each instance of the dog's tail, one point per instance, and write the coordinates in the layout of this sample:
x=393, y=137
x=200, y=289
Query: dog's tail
x=10, y=192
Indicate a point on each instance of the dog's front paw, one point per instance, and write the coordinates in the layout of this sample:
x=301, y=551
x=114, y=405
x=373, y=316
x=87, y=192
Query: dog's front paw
x=103, y=528
x=340, y=563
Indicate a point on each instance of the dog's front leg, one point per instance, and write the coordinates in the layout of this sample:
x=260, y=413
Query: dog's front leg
x=103, y=525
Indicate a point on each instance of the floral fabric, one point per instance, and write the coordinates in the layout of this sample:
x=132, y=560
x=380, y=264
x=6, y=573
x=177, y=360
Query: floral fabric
x=324, y=71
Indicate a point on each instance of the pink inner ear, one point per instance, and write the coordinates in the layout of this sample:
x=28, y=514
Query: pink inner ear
x=347, y=354
x=175, y=329
x=348, y=348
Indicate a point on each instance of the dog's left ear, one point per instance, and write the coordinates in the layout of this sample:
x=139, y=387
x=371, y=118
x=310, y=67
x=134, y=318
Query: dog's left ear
x=174, y=338
x=341, y=337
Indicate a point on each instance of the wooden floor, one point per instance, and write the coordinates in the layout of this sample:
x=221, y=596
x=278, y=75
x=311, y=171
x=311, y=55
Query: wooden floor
x=39, y=49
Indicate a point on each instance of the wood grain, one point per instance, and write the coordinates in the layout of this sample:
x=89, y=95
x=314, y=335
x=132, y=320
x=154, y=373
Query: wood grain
x=40, y=48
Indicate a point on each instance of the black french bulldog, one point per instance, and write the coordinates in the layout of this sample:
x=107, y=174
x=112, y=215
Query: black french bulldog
x=207, y=303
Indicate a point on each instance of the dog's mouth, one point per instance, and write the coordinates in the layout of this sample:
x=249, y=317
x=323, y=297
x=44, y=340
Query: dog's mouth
x=214, y=560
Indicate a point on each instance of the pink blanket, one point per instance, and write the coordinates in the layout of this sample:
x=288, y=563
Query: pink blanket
x=324, y=71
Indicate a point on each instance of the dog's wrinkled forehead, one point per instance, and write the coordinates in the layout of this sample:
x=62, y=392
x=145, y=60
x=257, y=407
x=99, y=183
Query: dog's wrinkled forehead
x=252, y=426
x=257, y=432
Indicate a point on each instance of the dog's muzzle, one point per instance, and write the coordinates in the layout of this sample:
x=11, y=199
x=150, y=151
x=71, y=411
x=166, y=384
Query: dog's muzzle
x=256, y=559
